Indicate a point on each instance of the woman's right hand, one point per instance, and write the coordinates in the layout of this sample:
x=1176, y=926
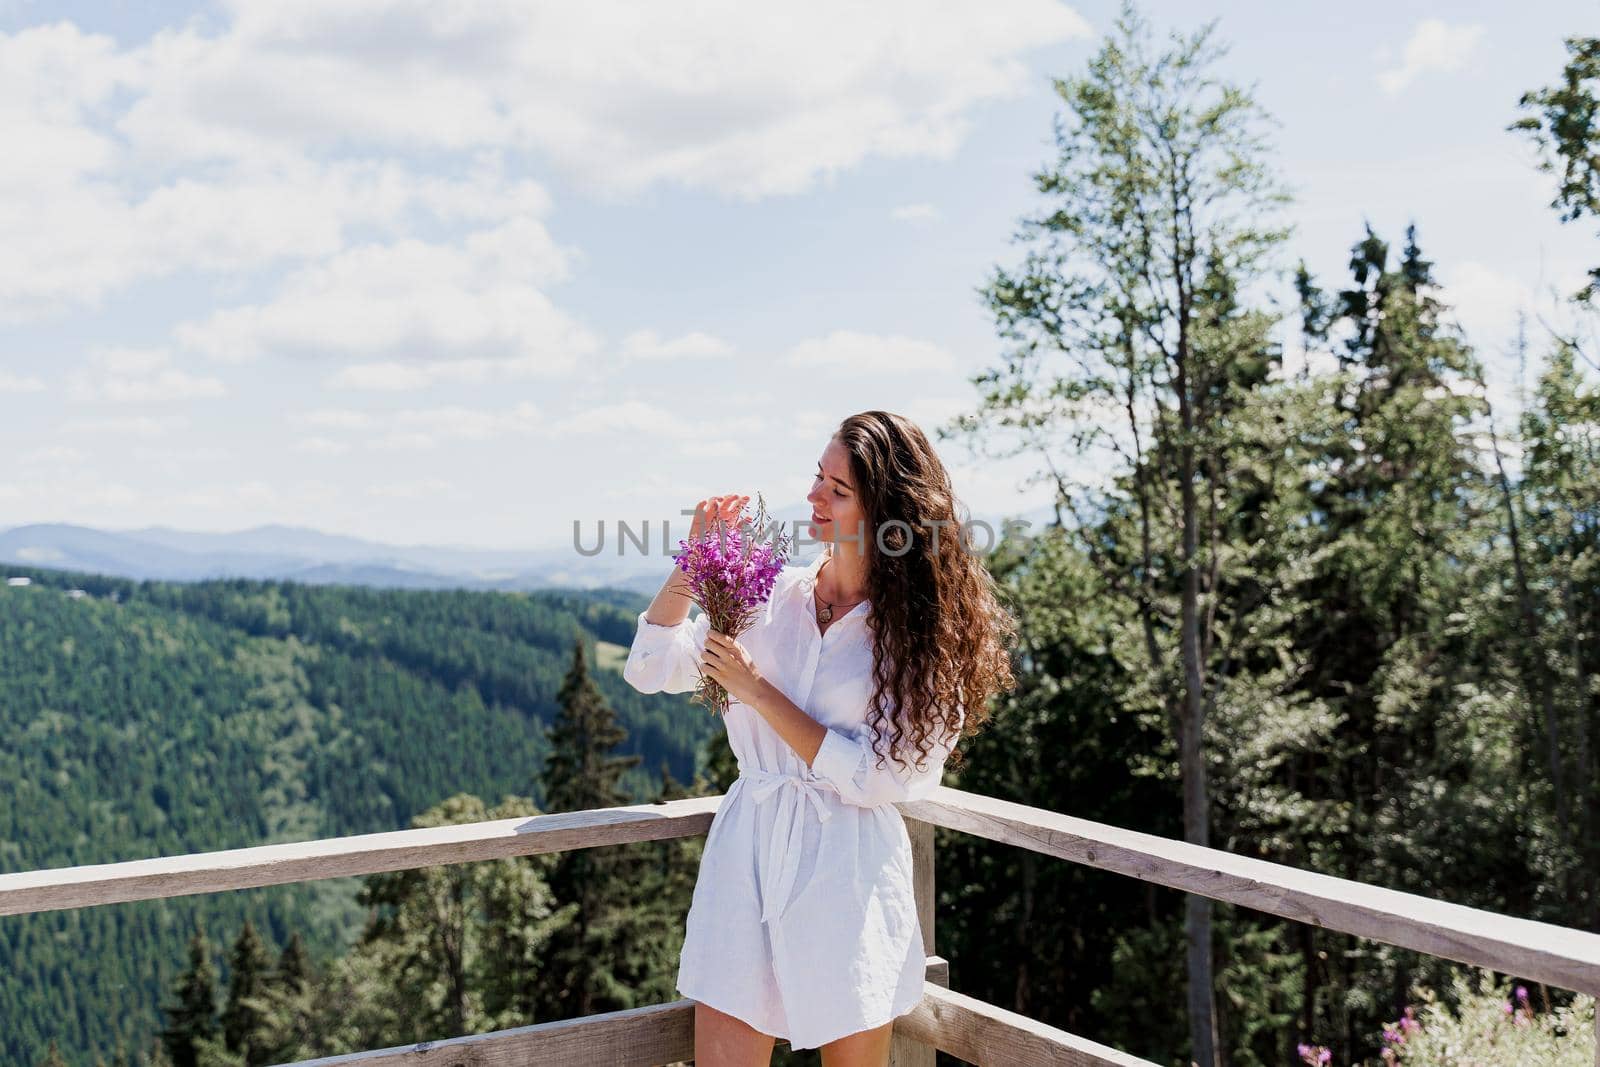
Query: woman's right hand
x=715, y=509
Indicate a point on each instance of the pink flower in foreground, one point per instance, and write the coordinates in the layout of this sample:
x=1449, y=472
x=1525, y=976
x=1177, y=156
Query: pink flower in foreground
x=731, y=575
x=1313, y=1055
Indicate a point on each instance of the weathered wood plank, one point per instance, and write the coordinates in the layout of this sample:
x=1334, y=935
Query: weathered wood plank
x=639, y=1037
x=990, y=1036
x=1544, y=952
x=1564, y=957
x=338, y=857
x=906, y=1051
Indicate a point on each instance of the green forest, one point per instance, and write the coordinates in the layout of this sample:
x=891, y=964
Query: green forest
x=1344, y=616
x=152, y=719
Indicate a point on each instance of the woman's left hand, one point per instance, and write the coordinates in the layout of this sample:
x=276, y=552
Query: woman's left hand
x=727, y=662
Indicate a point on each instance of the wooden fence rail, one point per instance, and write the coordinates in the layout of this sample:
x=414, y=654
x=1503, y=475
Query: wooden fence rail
x=945, y=1020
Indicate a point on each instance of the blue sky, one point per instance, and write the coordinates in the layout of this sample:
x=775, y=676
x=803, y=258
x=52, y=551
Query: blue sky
x=467, y=273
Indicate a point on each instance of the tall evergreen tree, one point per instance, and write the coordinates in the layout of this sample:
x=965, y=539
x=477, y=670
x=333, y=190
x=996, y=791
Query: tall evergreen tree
x=192, y=1014
x=1561, y=489
x=614, y=942
x=293, y=968
x=285, y=1001
x=1401, y=510
x=249, y=966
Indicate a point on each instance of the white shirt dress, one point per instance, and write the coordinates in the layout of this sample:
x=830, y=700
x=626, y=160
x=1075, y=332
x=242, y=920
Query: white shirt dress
x=804, y=919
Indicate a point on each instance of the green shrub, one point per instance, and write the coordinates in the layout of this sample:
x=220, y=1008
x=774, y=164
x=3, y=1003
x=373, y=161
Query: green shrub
x=1495, y=1025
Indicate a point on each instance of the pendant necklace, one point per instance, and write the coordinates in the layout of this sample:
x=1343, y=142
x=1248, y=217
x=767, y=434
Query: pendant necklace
x=825, y=614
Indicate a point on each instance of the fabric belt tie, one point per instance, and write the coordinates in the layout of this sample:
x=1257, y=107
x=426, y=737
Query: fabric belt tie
x=782, y=864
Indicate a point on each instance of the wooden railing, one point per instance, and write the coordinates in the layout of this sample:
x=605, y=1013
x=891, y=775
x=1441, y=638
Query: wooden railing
x=965, y=1027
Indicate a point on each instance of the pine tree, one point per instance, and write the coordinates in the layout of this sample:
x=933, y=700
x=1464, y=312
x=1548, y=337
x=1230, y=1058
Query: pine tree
x=1399, y=509
x=294, y=966
x=247, y=978
x=1561, y=488
x=599, y=959
x=52, y=1056
x=192, y=1015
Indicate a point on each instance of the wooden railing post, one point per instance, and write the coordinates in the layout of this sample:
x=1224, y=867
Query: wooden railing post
x=903, y=1051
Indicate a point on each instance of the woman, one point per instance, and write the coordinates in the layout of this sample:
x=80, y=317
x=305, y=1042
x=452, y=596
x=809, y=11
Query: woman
x=847, y=695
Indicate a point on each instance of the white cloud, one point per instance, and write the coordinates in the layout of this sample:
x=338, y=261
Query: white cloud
x=629, y=416
x=321, y=446
x=416, y=312
x=62, y=454
x=383, y=377
x=16, y=383
x=647, y=344
x=1484, y=302
x=277, y=136
x=87, y=211
x=853, y=352
x=1434, y=45
x=126, y=425
x=719, y=448
x=417, y=428
x=915, y=213
x=138, y=376
x=335, y=418
x=402, y=377
x=737, y=98
x=811, y=425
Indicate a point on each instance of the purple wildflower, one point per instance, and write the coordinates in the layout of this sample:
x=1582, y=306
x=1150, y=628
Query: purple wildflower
x=1313, y=1055
x=731, y=576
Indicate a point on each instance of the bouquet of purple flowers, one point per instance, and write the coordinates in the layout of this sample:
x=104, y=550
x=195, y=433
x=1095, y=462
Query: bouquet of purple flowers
x=731, y=574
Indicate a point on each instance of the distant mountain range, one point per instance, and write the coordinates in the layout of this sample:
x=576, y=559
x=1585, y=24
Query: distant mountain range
x=304, y=555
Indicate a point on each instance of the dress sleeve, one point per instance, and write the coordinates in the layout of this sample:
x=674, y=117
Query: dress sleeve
x=666, y=659
x=847, y=761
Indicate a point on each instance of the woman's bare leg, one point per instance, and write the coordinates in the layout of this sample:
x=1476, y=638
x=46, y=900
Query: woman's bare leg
x=864, y=1048
x=720, y=1040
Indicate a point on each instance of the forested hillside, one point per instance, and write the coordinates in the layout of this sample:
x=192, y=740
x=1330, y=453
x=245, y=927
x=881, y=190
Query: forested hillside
x=152, y=719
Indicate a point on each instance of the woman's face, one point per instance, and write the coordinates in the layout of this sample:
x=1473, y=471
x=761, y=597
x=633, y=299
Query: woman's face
x=835, y=505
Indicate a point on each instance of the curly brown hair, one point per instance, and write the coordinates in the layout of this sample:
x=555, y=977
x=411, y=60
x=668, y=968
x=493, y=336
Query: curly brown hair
x=941, y=638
